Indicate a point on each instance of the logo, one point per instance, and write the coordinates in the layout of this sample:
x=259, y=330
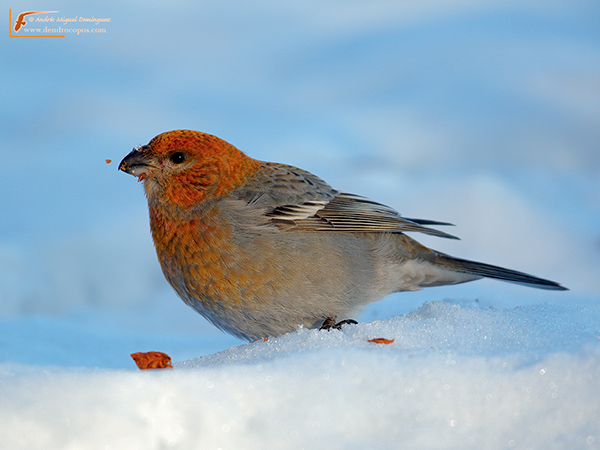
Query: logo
x=21, y=23
x=31, y=24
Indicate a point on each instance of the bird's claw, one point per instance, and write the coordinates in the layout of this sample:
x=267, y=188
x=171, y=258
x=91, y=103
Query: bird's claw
x=330, y=324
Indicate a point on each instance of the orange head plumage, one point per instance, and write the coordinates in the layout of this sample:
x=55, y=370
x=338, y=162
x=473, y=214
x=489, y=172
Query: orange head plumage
x=185, y=167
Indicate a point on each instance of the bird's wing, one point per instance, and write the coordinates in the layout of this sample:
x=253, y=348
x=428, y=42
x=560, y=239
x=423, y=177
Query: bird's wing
x=294, y=199
x=349, y=213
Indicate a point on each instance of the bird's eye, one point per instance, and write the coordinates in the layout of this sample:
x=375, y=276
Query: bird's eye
x=178, y=157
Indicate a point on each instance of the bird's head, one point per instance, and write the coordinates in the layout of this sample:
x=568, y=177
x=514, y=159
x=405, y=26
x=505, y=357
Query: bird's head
x=185, y=167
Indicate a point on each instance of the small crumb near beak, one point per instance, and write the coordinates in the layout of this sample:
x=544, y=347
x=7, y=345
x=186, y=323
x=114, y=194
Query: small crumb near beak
x=142, y=176
x=108, y=161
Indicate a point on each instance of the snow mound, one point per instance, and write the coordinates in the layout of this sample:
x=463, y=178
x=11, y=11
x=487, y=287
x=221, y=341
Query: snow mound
x=454, y=377
x=530, y=333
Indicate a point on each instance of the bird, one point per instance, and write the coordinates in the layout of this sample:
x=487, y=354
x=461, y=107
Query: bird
x=261, y=248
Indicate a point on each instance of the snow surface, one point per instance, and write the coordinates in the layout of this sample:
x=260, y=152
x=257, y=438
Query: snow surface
x=483, y=114
x=454, y=377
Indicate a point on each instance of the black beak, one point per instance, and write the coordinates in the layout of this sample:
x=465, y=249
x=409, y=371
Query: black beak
x=136, y=164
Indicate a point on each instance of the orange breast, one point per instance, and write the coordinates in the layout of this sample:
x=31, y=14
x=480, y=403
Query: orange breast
x=204, y=264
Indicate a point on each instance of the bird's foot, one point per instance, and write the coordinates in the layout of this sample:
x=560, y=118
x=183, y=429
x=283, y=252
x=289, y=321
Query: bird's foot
x=330, y=323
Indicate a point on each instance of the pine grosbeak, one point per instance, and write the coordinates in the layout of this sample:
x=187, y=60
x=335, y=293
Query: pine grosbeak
x=260, y=248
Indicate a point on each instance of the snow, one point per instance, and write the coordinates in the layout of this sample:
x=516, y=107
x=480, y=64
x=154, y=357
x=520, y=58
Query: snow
x=455, y=377
x=483, y=115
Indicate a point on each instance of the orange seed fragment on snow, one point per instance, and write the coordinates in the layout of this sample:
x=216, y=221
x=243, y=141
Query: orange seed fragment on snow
x=381, y=341
x=108, y=161
x=152, y=360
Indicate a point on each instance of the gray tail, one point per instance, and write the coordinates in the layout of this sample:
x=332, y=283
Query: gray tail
x=498, y=273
